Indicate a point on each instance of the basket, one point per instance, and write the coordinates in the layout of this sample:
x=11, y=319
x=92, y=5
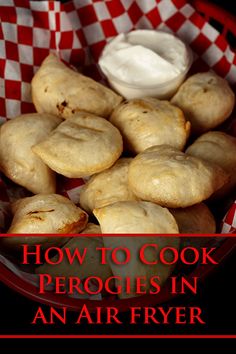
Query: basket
x=205, y=13
x=219, y=18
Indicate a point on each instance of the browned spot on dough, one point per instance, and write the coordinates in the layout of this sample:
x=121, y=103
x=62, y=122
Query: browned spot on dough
x=40, y=211
x=210, y=81
x=37, y=217
x=61, y=106
x=145, y=212
x=64, y=104
x=76, y=226
x=146, y=106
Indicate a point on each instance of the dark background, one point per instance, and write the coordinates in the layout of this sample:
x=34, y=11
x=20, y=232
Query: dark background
x=217, y=296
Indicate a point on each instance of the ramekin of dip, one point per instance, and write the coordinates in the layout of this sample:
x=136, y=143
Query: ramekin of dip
x=145, y=63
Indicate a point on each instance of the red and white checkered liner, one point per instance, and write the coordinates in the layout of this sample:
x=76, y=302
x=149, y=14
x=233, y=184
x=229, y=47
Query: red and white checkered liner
x=229, y=221
x=77, y=31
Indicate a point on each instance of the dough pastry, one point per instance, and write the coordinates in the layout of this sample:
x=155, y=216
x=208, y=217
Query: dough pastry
x=138, y=217
x=45, y=213
x=92, y=229
x=107, y=187
x=17, y=161
x=169, y=177
x=149, y=121
x=219, y=148
x=135, y=217
x=92, y=262
x=206, y=100
x=81, y=146
x=59, y=90
x=196, y=219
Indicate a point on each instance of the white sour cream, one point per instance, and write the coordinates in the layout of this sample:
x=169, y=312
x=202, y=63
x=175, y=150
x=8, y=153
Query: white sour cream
x=145, y=62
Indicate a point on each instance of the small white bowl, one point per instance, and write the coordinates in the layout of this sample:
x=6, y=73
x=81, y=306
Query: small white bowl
x=163, y=90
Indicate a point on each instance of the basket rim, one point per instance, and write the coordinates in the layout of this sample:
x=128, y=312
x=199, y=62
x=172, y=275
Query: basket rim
x=214, y=11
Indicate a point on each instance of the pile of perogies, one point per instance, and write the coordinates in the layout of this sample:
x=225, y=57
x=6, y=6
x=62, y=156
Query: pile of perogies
x=82, y=128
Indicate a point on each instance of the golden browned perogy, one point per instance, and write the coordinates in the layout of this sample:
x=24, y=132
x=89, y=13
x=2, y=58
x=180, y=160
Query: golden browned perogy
x=45, y=213
x=149, y=121
x=206, y=100
x=81, y=146
x=135, y=217
x=219, y=148
x=196, y=219
x=17, y=161
x=138, y=217
x=171, y=178
x=59, y=90
x=107, y=187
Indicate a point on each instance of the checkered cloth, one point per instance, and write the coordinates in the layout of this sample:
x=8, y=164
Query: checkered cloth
x=229, y=221
x=78, y=31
